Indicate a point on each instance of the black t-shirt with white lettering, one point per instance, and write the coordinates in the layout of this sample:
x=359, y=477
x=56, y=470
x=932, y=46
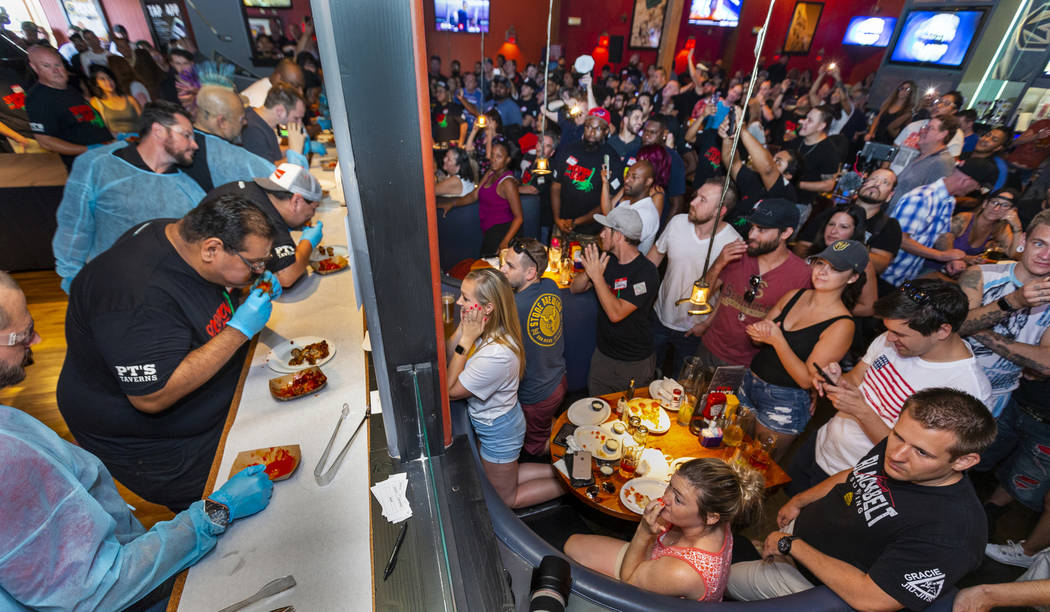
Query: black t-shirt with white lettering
x=819, y=161
x=638, y=282
x=283, y=245
x=135, y=312
x=65, y=114
x=579, y=171
x=912, y=540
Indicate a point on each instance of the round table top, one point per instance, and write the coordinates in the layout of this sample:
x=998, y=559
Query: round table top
x=677, y=442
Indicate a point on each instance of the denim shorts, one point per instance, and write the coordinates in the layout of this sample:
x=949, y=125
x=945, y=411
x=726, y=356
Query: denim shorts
x=501, y=441
x=1020, y=456
x=784, y=410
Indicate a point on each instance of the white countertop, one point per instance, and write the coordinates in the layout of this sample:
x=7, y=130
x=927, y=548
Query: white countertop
x=321, y=536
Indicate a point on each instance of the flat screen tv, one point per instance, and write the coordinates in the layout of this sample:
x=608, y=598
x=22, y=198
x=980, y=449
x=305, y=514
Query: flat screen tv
x=937, y=38
x=869, y=31
x=721, y=13
x=462, y=15
x=281, y=4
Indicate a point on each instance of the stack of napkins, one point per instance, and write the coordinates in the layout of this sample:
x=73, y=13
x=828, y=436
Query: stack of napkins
x=391, y=495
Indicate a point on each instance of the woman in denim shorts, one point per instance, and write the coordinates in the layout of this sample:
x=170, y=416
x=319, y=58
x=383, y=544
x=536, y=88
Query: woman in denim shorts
x=806, y=327
x=486, y=361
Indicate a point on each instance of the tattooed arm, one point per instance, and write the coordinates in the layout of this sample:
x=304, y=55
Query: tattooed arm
x=1031, y=356
x=979, y=317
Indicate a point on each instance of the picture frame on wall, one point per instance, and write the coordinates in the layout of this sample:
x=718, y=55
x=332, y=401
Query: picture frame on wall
x=803, y=26
x=647, y=24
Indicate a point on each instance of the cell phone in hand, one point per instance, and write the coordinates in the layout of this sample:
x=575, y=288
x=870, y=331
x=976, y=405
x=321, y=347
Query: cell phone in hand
x=732, y=120
x=824, y=375
x=605, y=164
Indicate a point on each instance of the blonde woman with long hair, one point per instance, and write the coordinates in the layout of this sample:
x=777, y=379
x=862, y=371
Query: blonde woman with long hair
x=486, y=360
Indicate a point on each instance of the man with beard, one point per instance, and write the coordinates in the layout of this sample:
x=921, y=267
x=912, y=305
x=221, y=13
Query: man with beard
x=61, y=119
x=749, y=279
x=156, y=346
x=655, y=133
x=637, y=186
x=990, y=146
x=285, y=106
x=577, y=194
x=882, y=233
x=286, y=71
x=112, y=188
x=502, y=102
x=627, y=142
x=61, y=508
x=685, y=243
x=625, y=284
x=528, y=104
x=933, y=162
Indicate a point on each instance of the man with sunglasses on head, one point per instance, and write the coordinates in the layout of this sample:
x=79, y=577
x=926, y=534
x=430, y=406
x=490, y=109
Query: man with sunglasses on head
x=289, y=196
x=749, y=279
x=921, y=348
x=156, y=342
x=113, y=187
x=544, y=384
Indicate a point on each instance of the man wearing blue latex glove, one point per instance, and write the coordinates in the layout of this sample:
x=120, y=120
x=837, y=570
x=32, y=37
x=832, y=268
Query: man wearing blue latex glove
x=269, y=284
x=289, y=196
x=61, y=508
x=156, y=344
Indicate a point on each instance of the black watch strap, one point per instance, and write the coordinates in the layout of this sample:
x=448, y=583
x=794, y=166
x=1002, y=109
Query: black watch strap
x=460, y=350
x=217, y=513
x=784, y=544
x=1004, y=304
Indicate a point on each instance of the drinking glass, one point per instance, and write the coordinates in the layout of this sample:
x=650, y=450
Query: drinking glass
x=632, y=456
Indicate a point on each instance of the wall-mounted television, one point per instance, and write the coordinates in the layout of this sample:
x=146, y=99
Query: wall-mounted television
x=277, y=4
x=869, y=31
x=462, y=15
x=721, y=13
x=937, y=38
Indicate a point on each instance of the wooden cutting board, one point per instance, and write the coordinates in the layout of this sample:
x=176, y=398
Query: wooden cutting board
x=280, y=461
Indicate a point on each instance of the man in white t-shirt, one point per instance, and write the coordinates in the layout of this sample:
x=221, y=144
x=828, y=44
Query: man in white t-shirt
x=685, y=242
x=920, y=349
x=908, y=139
x=636, y=185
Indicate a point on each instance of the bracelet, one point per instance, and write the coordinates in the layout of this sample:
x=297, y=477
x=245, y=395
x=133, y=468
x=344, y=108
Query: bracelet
x=1004, y=305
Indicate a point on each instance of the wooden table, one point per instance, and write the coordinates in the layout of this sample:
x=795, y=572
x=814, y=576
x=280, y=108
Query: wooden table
x=676, y=442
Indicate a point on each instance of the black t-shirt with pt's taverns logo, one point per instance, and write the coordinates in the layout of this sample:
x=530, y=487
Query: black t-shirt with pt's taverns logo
x=135, y=312
x=912, y=540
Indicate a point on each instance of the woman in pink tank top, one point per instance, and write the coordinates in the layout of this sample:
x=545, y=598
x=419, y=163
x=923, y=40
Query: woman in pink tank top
x=683, y=545
x=499, y=205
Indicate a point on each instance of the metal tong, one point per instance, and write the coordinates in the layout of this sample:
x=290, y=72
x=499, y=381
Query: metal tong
x=268, y=590
x=322, y=476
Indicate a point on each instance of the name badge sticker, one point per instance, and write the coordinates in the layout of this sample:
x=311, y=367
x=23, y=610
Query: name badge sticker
x=639, y=288
x=620, y=283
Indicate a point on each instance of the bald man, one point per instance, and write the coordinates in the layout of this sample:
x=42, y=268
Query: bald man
x=637, y=186
x=286, y=71
x=59, y=116
x=217, y=130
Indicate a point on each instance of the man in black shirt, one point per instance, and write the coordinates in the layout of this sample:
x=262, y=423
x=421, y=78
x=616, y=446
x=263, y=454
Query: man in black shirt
x=284, y=105
x=156, y=345
x=14, y=121
x=61, y=118
x=820, y=158
x=528, y=104
x=626, y=284
x=289, y=197
x=577, y=194
x=896, y=529
x=448, y=120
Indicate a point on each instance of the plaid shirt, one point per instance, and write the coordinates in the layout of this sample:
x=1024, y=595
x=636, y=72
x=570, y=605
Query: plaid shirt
x=924, y=214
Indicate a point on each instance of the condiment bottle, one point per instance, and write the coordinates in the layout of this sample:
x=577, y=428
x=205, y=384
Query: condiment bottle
x=732, y=405
x=676, y=399
x=716, y=405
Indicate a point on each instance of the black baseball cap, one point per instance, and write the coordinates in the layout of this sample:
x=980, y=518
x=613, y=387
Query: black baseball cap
x=844, y=255
x=981, y=170
x=774, y=212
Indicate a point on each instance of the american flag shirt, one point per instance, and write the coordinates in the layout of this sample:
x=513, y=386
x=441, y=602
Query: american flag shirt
x=889, y=380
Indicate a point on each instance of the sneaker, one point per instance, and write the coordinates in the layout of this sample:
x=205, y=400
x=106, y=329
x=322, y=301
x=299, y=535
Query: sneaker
x=1010, y=553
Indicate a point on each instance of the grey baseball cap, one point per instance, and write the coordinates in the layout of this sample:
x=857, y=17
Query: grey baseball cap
x=844, y=255
x=625, y=220
x=293, y=178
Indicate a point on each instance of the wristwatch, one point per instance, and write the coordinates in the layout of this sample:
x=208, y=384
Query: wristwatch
x=1004, y=304
x=784, y=544
x=460, y=350
x=217, y=513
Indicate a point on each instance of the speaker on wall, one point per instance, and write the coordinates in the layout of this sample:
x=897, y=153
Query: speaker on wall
x=615, y=49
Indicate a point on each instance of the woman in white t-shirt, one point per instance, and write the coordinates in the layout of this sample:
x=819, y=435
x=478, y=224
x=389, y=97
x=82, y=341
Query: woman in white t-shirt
x=460, y=176
x=486, y=360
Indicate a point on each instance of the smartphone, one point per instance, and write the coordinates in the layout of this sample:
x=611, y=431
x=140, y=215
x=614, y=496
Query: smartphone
x=582, y=472
x=824, y=375
x=732, y=120
x=605, y=164
x=566, y=430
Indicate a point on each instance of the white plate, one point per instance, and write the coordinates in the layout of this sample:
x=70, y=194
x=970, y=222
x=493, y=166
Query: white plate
x=336, y=250
x=590, y=438
x=664, y=420
x=326, y=184
x=581, y=413
x=650, y=487
x=279, y=355
x=657, y=386
x=677, y=463
x=654, y=465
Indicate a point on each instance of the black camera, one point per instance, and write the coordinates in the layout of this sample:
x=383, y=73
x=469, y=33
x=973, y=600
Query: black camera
x=551, y=582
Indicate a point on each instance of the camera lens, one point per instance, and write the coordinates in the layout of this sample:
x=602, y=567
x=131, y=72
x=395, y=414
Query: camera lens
x=551, y=582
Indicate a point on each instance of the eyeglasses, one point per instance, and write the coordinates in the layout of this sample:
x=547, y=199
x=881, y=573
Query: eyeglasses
x=519, y=247
x=755, y=282
x=1000, y=203
x=255, y=265
x=22, y=338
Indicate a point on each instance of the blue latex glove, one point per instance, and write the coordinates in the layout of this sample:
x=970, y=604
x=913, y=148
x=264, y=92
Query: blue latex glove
x=317, y=148
x=246, y=493
x=324, y=124
x=313, y=233
x=253, y=314
x=275, y=285
x=297, y=158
